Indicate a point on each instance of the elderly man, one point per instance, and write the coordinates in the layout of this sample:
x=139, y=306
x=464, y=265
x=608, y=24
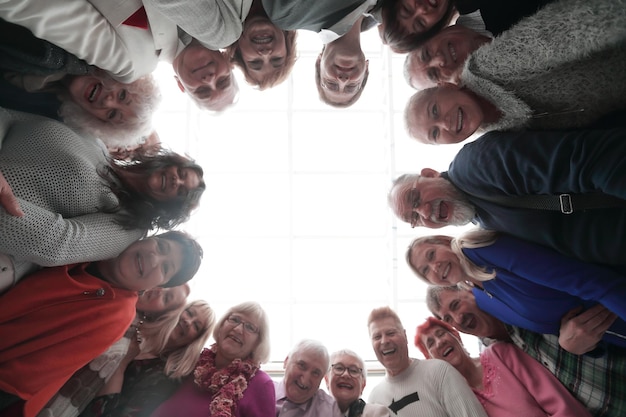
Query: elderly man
x=596, y=381
x=299, y=393
x=563, y=31
x=412, y=387
x=346, y=380
x=128, y=39
x=494, y=181
x=341, y=70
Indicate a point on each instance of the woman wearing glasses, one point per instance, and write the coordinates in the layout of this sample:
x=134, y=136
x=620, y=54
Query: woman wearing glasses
x=346, y=380
x=227, y=380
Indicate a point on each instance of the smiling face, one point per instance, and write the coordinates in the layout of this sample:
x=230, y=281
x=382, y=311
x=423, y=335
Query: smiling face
x=345, y=388
x=440, y=59
x=145, y=264
x=441, y=344
x=161, y=300
x=444, y=114
x=238, y=341
x=418, y=16
x=168, y=183
x=205, y=75
x=262, y=46
x=342, y=71
x=436, y=263
x=390, y=345
x=459, y=309
x=304, y=371
x=430, y=201
x=111, y=103
x=190, y=325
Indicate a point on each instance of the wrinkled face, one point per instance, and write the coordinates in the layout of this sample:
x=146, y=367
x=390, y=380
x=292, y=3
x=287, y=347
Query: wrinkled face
x=111, y=103
x=430, y=201
x=437, y=263
x=238, y=336
x=440, y=59
x=445, y=114
x=161, y=300
x=172, y=182
x=190, y=325
x=303, y=374
x=441, y=344
x=418, y=16
x=342, y=71
x=460, y=310
x=346, y=388
x=262, y=46
x=145, y=264
x=390, y=345
x=206, y=75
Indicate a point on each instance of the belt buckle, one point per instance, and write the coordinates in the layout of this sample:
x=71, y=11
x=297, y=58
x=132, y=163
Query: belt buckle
x=566, y=204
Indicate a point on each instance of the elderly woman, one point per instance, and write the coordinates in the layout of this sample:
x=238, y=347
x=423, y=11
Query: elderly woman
x=82, y=309
x=521, y=283
x=90, y=207
x=169, y=349
x=227, y=380
x=506, y=381
x=345, y=381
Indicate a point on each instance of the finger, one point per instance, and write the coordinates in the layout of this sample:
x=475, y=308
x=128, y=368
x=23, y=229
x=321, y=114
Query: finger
x=11, y=205
x=607, y=322
x=598, y=312
x=571, y=314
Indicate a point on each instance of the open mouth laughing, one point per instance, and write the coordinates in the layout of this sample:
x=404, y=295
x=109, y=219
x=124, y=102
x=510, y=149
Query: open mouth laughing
x=459, y=120
x=93, y=93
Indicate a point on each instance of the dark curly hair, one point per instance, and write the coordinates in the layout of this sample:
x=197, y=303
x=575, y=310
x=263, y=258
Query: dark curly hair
x=138, y=209
x=392, y=34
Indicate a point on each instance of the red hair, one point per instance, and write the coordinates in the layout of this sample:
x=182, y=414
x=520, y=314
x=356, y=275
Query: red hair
x=423, y=328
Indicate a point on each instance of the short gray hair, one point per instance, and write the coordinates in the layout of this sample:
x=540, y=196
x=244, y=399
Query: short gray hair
x=310, y=345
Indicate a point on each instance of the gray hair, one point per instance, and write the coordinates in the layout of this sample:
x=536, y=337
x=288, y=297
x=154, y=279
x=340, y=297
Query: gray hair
x=313, y=346
x=261, y=353
x=433, y=298
x=348, y=352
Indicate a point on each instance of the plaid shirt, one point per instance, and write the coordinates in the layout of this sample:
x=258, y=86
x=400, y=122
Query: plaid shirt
x=598, y=383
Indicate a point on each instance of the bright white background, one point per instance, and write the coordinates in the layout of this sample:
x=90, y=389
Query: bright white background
x=295, y=213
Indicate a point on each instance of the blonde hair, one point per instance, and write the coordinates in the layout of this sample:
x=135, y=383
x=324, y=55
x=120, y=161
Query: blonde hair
x=384, y=313
x=477, y=238
x=179, y=362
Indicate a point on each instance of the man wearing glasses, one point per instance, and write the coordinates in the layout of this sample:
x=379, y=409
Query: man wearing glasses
x=346, y=380
x=495, y=180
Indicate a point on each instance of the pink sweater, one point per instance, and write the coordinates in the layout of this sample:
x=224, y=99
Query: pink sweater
x=514, y=384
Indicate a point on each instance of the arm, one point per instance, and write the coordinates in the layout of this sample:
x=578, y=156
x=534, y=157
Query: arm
x=547, y=391
x=79, y=28
x=457, y=397
x=259, y=399
x=216, y=23
x=553, y=270
x=48, y=239
x=580, y=333
x=8, y=200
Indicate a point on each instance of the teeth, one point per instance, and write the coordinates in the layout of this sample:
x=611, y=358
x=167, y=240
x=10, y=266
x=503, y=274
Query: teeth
x=447, y=351
x=262, y=39
x=140, y=264
x=387, y=352
x=92, y=95
x=452, y=52
x=446, y=271
x=459, y=120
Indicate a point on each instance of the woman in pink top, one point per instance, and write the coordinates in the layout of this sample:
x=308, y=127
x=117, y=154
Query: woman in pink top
x=506, y=381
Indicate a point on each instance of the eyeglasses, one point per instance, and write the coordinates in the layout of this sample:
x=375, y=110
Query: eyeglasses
x=339, y=369
x=414, y=199
x=248, y=327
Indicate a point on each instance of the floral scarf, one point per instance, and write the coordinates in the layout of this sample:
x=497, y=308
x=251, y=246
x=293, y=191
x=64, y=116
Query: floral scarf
x=226, y=385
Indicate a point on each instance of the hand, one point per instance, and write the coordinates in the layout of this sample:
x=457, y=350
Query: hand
x=581, y=332
x=8, y=199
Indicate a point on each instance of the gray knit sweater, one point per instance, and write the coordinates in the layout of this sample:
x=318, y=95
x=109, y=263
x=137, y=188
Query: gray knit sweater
x=53, y=172
x=562, y=67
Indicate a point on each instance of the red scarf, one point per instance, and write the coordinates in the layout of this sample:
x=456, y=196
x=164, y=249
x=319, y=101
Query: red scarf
x=225, y=385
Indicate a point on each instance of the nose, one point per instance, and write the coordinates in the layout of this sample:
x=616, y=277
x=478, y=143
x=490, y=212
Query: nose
x=265, y=50
x=343, y=76
x=439, y=60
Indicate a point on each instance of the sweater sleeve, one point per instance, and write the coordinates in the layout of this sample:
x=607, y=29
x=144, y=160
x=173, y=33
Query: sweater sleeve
x=456, y=395
x=549, y=393
x=548, y=268
x=48, y=239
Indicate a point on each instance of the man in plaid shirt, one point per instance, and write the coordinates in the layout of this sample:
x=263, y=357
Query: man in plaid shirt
x=597, y=379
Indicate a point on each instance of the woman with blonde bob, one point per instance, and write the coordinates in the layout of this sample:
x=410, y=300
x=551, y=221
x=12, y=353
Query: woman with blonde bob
x=166, y=351
x=522, y=283
x=506, y=381
x=227, y=380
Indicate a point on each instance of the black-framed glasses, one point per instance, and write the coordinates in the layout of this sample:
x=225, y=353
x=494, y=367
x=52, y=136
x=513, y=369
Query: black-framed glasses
x=247, y=326
x=339, y=369
x=414, y=199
